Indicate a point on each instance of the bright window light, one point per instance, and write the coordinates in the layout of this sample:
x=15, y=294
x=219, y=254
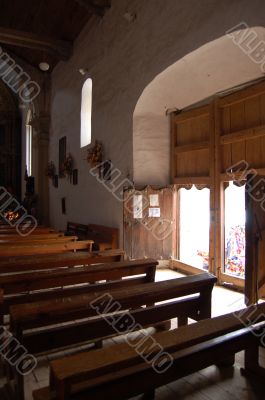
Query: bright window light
x=194, y=227
x=235, y=219
x=86, y=111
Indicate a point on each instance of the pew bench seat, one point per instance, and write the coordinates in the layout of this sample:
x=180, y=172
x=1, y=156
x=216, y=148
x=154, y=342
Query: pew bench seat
x=46, y=248
x=121, y=372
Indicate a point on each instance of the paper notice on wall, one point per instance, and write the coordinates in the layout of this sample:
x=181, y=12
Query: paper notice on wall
x=138, y=206
x=154, y=200
x=154, y=212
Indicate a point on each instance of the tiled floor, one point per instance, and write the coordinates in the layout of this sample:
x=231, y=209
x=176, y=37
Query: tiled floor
x=208, y=384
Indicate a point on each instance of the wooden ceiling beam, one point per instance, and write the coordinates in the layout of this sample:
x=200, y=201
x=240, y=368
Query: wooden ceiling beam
x=92, y=8
x=61, y=49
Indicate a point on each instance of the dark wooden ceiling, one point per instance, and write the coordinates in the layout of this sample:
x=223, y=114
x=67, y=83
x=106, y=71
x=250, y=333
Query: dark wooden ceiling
x=54, y=20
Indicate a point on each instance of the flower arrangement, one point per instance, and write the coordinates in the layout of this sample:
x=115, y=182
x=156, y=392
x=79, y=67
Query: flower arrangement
x=95, y=154
x=50, y=170
x=67, y=167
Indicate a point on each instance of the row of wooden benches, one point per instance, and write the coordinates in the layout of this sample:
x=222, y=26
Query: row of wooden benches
x=50, y=308
x=53, y=316
x=41, y=241
x=101, y=237
x=48, y=266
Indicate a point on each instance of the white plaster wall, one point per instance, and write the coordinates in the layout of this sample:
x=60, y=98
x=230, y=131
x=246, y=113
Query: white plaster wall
x=122, y=59
x=151, y=149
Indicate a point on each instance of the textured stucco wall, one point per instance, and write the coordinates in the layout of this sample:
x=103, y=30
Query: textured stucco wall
x=122, y=59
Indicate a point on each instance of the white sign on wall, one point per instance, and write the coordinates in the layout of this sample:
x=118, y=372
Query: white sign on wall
x=154, y=212
x=154, y=200
x=138, y=206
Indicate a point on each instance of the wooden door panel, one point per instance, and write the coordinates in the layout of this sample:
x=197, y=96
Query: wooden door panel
x=255, y=238
x=149, y=236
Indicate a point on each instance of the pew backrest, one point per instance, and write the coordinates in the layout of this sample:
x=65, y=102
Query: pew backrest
x=38, y=230
x=17, y=238
x=68, y=282
x=101, y=302
x=39, y=248
x=104, y=237
x=22, y=264
x=4, y=243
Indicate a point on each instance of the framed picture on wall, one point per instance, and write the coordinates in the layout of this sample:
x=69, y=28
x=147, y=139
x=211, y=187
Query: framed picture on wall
x=63, y=205
x=62, y=155
x=107, y=170
x=55, y=181
x=2, y=135
x=75, y=176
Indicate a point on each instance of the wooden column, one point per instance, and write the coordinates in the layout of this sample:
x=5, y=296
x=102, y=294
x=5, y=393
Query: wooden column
x=218, y=194
x=212, y=240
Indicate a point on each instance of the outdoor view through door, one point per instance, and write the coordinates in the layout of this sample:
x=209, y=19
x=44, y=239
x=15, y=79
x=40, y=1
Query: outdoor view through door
x=234, y=263
x=194, y=211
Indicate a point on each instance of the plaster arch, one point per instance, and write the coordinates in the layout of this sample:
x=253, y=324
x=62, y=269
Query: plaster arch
x=217, y=66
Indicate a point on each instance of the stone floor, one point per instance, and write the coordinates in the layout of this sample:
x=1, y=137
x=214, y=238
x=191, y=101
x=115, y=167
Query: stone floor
x=208, y=384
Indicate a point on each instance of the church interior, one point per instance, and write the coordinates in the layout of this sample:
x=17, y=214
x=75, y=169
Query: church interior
x=132, y=199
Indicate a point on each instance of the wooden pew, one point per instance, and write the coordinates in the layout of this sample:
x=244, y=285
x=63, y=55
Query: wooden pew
x=39, y=248
x=36, y=286
x=120, y=372
x=4, y=243
x=41, y=318
x=104, y=237
x=59, y=260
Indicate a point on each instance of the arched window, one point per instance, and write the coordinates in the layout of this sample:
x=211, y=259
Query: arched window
x=29, y=143
x=86, y=110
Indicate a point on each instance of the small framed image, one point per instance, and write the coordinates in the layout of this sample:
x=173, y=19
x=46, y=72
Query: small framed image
x=107, y=170
x=63, y=205
x=2, y=135
x=154, y=200
x=75, y=176
x=137, y=206
x=55, y=181
x=62, y=156
x=154, y=212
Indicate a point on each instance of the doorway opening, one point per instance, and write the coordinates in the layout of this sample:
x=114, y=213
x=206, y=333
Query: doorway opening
x=194, y=224
x=235, y=218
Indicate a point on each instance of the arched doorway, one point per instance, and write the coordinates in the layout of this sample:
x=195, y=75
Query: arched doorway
x=189, y=86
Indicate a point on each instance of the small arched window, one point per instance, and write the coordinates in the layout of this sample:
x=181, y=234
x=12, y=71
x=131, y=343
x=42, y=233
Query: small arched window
x=29, y=143
x=86, y=111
